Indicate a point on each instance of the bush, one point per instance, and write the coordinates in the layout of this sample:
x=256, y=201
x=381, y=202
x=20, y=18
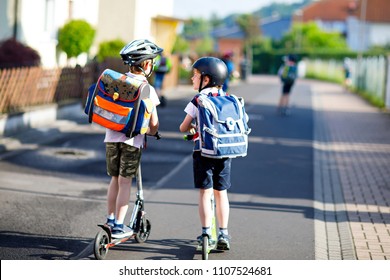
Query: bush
x=15, y=54
x=75, y=37
x=110, y=49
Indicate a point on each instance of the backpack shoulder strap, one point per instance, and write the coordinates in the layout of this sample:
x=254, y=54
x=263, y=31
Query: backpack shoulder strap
x=144, y=93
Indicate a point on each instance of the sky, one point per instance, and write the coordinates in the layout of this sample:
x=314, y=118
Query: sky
x=205, y=8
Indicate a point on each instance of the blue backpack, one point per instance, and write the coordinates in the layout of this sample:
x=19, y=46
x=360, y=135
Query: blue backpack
x=289, y=74
x=222, y=126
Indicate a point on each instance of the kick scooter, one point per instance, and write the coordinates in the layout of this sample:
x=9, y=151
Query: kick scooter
x=138, y=222
x=208, y=242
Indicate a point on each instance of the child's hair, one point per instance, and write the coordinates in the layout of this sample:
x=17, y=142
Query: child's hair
x=136, y=68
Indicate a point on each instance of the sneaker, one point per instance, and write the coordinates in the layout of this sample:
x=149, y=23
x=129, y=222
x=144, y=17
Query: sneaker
x=110, y=223
x=121, y=231
x=200, y=240
x=223, y=242
x=285, y=111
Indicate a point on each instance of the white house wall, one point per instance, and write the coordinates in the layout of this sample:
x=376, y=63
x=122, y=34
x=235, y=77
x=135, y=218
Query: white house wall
x=40, y=20
x=116, y=20
x=129, y=19
x=6, y=19
x=379, y=34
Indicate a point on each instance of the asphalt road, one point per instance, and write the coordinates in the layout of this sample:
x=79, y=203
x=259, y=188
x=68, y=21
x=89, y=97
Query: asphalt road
x=53, y=186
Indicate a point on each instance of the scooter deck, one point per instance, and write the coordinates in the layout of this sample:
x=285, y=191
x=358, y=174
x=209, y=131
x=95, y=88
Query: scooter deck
x=114, y=241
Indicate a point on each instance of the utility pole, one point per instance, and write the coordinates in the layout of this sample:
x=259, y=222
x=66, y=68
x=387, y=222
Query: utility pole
x=15, y=27
x=299, y=22
x=363, y=15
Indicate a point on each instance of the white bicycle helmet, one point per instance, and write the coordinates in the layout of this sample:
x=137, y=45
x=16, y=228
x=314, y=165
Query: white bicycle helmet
x=139, y=50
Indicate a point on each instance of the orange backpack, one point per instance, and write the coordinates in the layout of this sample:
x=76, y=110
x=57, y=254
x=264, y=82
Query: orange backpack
x=120, y=103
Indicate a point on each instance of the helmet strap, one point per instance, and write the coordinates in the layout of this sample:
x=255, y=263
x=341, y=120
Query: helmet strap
x=143, y=71
x=201, y=82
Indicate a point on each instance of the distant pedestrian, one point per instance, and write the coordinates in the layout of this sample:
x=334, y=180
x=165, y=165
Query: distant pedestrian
x=347, y=72
x=288, y=74
x=162, y=66
x=228, y=59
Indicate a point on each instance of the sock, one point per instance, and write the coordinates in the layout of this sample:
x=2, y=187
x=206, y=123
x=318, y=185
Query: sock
x=206, y=230
x=118, y=224
x=111, y=217
x=223, y=231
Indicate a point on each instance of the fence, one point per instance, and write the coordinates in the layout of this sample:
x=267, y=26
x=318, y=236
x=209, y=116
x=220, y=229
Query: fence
x=369, y=75
x=21, y=88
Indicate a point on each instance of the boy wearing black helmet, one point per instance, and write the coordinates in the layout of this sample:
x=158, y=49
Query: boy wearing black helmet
x=210, y=175
x=123, y=154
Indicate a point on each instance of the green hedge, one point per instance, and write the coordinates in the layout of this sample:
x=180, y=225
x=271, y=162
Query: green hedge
x=268, y=62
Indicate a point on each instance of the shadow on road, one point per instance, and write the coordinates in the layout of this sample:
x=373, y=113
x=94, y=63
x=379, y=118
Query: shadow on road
x=37, y=247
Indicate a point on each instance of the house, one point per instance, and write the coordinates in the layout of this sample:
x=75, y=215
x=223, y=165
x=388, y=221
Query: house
x=36, y=23
x=364, y=23
x=231, y=38
x=275, y=27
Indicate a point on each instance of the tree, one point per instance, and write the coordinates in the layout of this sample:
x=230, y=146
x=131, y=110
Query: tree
x=196, y=27
x=75, y=37
x=196, y=30
x=16, y=54
x=181, y=45
x=249, y=24
x=308, y=36
x=204, y=46
x=110, y=49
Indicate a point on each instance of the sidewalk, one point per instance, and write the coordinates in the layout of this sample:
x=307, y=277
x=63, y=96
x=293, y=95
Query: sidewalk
x=351, y=176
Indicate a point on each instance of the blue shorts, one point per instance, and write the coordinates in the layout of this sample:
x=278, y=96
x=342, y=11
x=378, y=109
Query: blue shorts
x=211, y=173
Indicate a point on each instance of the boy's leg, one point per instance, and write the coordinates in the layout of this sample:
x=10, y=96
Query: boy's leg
x=112, y=193
x=112, y=163
x=122, y=204
x=223, y=208
x=223, y=211
x=205, y=210
x=123, y=197
x=221, y=185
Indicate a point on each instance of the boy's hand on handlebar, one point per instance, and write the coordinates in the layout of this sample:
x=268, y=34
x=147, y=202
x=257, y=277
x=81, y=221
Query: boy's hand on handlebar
x=157, y=135
x=192, y=130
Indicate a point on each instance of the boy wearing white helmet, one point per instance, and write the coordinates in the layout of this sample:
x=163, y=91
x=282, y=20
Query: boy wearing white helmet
x=123, y=154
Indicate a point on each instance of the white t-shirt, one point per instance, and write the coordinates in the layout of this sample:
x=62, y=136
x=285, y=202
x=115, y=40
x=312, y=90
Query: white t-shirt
x=138, y=140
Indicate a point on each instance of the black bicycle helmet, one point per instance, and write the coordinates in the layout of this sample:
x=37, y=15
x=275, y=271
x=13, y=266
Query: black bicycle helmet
x=292, y=57
x=139, y=50
x=212, y=67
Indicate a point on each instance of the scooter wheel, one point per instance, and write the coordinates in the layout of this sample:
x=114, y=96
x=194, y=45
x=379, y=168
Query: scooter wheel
x=205, y=247
x=144, y=231
x=100, y=248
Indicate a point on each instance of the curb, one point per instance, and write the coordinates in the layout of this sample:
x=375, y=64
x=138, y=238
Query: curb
x=36, y=117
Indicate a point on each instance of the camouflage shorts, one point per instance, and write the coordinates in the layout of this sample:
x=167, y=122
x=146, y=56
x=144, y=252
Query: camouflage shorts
x=122, y=159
